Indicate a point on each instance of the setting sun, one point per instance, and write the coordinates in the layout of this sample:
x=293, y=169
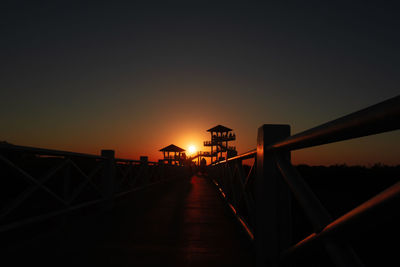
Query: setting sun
x=192, y=149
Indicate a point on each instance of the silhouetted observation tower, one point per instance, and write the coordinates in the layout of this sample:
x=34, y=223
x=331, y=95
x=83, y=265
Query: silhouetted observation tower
x=220, y=136
x=176, y=158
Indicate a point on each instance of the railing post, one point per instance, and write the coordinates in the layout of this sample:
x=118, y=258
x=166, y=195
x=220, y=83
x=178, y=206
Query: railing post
x=108, y=177
x=272, y=199
x=144, y=166
x=144, y=159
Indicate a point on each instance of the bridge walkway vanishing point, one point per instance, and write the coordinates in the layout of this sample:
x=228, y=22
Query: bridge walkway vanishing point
x=183, y=222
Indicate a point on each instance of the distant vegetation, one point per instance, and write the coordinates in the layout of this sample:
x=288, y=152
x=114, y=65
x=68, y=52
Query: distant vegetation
x=351, y=185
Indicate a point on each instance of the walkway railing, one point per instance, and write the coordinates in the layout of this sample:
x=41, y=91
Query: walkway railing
x=260, y=194
x=38, y=184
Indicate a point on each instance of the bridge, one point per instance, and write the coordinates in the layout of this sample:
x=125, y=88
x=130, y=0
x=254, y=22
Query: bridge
x=72, y=209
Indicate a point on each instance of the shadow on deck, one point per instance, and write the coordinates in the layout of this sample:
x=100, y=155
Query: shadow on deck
x=177, y=223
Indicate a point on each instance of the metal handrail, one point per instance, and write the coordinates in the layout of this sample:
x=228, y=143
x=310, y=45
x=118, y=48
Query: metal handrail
x=134, y=161
x=53, y=152
x=379, y=118
x=248, y=155
x=61, y=153
x=127, y=160
x=48, y=152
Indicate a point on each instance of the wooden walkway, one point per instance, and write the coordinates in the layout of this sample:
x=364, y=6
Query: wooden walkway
x=179, y=223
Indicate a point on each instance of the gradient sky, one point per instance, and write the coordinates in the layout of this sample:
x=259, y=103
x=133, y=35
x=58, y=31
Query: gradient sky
x=137, y=77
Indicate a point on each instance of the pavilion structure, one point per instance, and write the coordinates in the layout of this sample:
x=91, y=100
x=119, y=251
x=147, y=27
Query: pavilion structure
x=173, y=155
x=220, y=136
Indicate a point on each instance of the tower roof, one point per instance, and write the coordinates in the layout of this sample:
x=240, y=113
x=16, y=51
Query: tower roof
x=219, y=129
x=172, y=148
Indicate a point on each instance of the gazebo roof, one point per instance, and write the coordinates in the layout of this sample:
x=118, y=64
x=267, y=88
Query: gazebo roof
x=172, y=148
x=219, y=129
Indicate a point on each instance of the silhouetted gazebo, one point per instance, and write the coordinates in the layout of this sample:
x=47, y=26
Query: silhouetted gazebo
x=176, y=157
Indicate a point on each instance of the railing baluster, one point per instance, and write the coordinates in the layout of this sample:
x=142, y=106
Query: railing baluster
x=63, y=190
x=37, y=183
x=244, y=196
x=16, y=202
x=67, y=183
x=341, y=254
x=108, y=177
x=80, y=188
x=231, y=170
x=87, y=177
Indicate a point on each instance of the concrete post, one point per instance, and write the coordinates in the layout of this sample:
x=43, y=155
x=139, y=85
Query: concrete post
x=272, y=199
x=108, y=177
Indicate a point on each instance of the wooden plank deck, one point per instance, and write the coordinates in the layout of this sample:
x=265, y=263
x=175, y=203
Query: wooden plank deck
x=178, y=223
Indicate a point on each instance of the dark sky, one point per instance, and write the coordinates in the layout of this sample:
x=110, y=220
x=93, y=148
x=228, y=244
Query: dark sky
x=135, y=77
